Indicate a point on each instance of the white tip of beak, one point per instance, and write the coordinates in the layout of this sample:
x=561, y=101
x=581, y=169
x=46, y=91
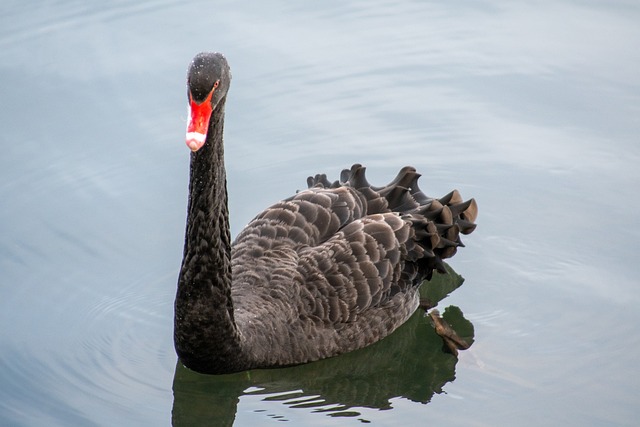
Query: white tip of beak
x=195, y=140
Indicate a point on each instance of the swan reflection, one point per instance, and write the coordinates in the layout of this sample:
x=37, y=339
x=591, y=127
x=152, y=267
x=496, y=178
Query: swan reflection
x=411, y=363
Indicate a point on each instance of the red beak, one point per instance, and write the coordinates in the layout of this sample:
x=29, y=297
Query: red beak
x=199, y=116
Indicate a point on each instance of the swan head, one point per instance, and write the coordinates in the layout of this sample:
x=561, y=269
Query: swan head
x=208, y=81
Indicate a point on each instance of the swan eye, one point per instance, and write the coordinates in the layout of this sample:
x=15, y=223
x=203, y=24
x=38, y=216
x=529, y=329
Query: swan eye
x=216, y=84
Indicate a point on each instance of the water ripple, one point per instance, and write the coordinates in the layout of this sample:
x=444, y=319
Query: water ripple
x=122, y=343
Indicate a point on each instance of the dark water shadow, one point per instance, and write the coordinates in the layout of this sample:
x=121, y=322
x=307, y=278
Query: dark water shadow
x=411, y=363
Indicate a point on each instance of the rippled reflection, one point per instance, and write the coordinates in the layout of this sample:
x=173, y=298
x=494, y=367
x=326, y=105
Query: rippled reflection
x=410, y=363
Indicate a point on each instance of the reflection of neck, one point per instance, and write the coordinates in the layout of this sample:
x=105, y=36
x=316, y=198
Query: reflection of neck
x=205, y=334
x=205, y=400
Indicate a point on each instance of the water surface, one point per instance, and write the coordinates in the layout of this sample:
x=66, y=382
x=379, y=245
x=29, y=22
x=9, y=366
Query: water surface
x=531, y=109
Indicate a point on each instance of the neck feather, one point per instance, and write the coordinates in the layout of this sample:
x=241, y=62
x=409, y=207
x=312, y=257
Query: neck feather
x=205, y=334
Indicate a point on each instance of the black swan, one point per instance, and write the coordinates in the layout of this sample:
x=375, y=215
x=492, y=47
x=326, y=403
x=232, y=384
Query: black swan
x=332, y=269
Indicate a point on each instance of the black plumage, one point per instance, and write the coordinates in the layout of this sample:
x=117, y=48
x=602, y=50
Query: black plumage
x=329, y=270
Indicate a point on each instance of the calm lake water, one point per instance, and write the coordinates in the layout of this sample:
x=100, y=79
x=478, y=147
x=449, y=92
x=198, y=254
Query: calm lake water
x=533, y=109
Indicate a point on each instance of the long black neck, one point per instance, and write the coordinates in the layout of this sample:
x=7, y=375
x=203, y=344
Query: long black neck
x=205, y=334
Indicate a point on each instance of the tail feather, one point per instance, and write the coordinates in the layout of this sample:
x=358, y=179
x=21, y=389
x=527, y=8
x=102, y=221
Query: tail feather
x=437, y=222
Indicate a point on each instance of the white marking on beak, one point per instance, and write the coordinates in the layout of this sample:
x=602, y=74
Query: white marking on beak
x=195, y=140
x=200, y=137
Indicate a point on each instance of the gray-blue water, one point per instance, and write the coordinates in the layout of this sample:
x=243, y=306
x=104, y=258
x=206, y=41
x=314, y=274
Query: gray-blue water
x=531, y=108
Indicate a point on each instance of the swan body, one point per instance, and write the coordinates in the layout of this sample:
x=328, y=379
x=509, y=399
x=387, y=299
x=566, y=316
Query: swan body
x=329, y=270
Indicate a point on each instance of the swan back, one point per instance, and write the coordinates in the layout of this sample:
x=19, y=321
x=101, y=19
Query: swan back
x=337, y=266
